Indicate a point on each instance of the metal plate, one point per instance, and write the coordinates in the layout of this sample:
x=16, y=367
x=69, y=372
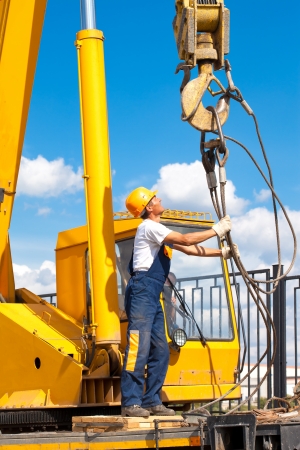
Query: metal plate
x=290, y=437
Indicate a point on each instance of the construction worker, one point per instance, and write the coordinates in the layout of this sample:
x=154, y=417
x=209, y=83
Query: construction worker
x=149, y=268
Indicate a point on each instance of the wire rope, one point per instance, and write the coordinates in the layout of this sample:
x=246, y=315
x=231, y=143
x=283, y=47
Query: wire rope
x=252, y=284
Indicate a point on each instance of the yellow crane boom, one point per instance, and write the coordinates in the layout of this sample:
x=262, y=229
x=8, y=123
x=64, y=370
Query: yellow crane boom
x=21, y=26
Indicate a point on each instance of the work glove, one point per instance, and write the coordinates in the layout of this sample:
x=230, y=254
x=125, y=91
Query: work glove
x=227, y=253
x=222, y=227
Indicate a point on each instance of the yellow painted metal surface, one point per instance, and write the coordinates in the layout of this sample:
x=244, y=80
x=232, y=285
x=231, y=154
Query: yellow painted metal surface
x=98, y=186
x=70, y=238
x=71, y=280
x=197, y=393
x=7, y=282
x=215, y=364
x=193, y=18
x=20, y=30
x=75, y=443
x=34, y=319
x=56, y=319
x=208, y=18
x=4, y=7
x=71, y=265
x=36, y=358
x=31, y=398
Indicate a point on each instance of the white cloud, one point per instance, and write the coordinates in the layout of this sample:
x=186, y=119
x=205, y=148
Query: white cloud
x=184, y=186
x=38, y=281
x=42, y=178
x=44, y=211
x=262, y=196
x=254, y=232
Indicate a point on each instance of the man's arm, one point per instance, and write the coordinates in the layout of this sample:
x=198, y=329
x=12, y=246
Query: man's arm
x=190, y=238
x=221, y=228
x=197, y=250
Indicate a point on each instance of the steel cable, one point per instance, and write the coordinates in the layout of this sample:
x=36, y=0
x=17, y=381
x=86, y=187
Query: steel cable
x=262, y=308
x=240, y=99
x=251, y=283
x=259, y=302
x=280, y=277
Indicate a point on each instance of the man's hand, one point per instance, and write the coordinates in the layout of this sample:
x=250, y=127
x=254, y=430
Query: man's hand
x=227, y=253
x=222, y=227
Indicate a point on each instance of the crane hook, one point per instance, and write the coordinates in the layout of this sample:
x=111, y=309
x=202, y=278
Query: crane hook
x=191, y=101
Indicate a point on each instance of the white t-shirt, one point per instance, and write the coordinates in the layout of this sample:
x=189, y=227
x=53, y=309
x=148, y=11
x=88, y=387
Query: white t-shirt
x=148, y=240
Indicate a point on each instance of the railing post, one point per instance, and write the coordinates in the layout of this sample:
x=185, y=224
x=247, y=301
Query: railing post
x=279, y=318
x=268, y=298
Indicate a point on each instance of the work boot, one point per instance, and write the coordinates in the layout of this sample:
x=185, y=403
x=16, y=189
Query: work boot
x=161, y=410
x=134, y=411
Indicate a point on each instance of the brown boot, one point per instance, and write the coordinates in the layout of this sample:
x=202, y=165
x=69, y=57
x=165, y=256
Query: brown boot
x=134, y=411
x=161, y=410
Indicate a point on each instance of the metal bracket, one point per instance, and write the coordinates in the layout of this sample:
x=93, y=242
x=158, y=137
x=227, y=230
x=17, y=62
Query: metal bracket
x=5, y=192
x=157, y=431
x=237, y=429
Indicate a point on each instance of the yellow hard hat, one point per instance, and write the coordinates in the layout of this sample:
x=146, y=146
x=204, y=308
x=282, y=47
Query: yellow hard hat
x=138, y=199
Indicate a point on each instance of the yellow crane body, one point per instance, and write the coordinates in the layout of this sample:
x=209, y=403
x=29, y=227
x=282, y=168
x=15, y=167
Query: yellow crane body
x=48, y=344
x=42, y=354
x=70, y=357
x=196, y=373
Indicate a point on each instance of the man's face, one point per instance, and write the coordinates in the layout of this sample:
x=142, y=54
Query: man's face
x=156, y=206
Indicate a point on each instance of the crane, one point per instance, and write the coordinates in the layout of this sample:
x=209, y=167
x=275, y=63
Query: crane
x=70, y=357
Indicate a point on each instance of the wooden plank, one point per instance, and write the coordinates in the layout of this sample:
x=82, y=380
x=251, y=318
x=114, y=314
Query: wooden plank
x=78, y=429
x=99, y=424
x=77, y=419
x=150, y=419
x=111, y=419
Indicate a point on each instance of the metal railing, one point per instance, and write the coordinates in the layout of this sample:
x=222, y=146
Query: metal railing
x=283, y=308
x=50, y=297
x=285, y=313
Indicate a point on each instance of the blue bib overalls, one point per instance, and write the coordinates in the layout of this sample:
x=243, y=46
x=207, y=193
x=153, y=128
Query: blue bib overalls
x=146, y=338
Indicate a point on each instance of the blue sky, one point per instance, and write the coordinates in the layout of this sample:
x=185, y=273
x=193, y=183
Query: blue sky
x=146, y=132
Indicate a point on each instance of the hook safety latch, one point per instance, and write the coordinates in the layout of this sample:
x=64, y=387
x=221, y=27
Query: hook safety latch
x=187, y=74
x=193, y=109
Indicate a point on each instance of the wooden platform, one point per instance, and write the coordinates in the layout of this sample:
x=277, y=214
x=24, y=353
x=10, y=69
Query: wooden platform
x=100, y=424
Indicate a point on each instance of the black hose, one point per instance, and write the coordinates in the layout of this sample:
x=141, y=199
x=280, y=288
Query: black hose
x=91, y=356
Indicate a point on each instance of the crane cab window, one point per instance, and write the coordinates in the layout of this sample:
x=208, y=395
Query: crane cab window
x=200, y=286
